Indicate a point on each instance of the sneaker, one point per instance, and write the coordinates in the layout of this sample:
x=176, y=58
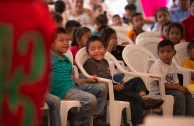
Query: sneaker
x=151, y=103
x=99, y=122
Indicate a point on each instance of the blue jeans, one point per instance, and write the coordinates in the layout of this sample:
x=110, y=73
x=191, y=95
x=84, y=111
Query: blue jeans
x=54, y=109
x=92, y=97
x=183, y=103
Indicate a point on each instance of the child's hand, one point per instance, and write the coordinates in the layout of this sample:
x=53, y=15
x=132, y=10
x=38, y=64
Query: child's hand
x=119, y=87
x=94, y=80
x=183, y=89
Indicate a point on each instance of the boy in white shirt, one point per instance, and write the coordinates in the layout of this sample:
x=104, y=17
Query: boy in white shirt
x=183, y=102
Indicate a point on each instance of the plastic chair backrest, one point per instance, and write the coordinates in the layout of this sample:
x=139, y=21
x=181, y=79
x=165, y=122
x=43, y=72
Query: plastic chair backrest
x=150, y=43
x=121, y=29
x=148, y=34
x=181, y=54
x=69, y=55
x=138, y=58
x=123, y=38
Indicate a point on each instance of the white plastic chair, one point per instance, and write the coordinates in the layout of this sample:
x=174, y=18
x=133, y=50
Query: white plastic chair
x=168, y=121
x=150, y=43
x=123, y=38
x=148, y=34
x=121, y=29
x=45, y=107
x=139, y=60
x=67, y=104
x=116, y=107
x=179, y=58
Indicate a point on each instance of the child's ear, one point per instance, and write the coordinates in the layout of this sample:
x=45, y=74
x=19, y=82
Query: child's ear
x=188, y=51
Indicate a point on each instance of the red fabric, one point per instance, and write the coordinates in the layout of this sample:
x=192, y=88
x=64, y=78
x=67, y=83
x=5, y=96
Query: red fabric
x=188, y=25
x=26, y=33
x=150, y=6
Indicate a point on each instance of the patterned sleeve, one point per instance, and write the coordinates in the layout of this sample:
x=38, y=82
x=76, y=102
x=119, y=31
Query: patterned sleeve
x=90, y=66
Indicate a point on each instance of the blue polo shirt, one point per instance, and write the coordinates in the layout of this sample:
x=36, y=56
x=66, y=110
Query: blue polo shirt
x=61, y=79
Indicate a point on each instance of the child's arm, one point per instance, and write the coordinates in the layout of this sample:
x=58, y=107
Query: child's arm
x=88, y=80
x=176, y=86
x=111, y=45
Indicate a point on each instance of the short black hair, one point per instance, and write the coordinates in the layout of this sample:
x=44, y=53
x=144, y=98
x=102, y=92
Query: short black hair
x=105, y=34
x=136, y=14
x=81, y=31
x=60, y=6
x=101, y=19
x=101, y=27
x=165, y=9
x=166, y=24
x=164, y=43
x=191, y=2
x=190, y=45
x=58, y=18
x=116, y=15
x=177, y=25
x=96, y=6
x=70, y=24
x=60, y=30
x=130, y=7
x=92, y=39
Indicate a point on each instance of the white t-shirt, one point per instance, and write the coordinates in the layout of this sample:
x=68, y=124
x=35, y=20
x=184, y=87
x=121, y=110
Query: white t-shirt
x=168, y=71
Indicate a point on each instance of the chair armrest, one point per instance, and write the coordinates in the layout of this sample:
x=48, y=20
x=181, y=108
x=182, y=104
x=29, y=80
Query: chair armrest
x=186, y=76
x=76, y=73
x=121, y=63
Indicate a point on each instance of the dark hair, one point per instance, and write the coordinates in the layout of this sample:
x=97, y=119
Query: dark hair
x=74, y=41
x=191, y=2
x=60, y=6
x=164, y=43
x=101, y=27
x=177, y=25
x=92, y=39
x=60, y=30
x=130, y=7
x=190, y=45
x=57, y=17
x=70, y=24
x=96, y=6
x=136, y=14
x=81, y=31
x=116, y=15
x=101, y=19
x=165, y=9
x=106, y=33
x=166, y=24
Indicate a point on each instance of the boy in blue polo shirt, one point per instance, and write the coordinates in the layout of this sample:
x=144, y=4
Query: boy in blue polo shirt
x=89, y=92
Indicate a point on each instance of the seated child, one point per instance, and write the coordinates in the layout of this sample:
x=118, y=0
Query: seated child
x=97, y=10
x=116, y=20
x=162, y=15
x=183, y=102
x=189, y=63
x=138, y=22
x=133, y=90
x=71, y=26
x=175, y=32
x=91, y=94
x=188, y=24
x=130, y=10
x=99, y=21
x=165, y=30
x=81, y=36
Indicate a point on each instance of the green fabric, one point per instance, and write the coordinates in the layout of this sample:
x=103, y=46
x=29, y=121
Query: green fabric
x=61, y=79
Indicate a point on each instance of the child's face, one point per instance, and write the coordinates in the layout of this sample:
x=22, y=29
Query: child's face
x=166, y=54
x=191, y=53
x=162, y=17
x=61, y=43
x=71, y=33
x=117, y=21
x=96, y=50
x=165, y=31
x=84, y=39
x=138, y=22
x=175, y=35
x=98, y=11
x=129, y=13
